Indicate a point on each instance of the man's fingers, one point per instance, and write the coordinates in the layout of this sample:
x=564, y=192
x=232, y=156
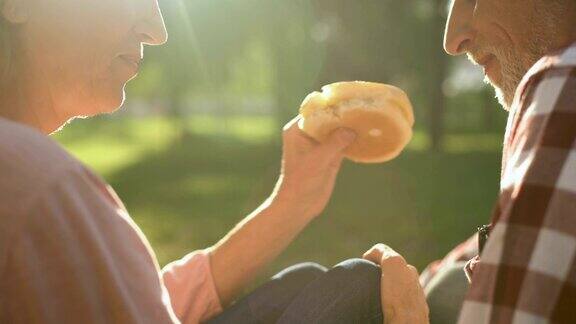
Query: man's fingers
x=413, y=270
x=392, y=261
x=383, y=252
x=380, y=253
x=389, y=253
x=400, y=288
x=373, y=255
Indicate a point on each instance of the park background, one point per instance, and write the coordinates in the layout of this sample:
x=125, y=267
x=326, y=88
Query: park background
x=197, y=144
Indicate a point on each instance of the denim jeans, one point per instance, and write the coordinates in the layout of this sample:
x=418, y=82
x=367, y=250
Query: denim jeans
x=347, y=293
x=310, y=293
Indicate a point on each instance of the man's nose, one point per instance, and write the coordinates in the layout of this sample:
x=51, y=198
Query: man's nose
x=459, y=29
x=151, y=29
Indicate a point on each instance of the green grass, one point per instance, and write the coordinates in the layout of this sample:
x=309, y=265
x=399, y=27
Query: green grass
x=187, y=192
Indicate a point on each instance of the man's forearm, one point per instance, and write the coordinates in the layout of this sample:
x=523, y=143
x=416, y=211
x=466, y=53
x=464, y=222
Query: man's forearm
x=252, y=244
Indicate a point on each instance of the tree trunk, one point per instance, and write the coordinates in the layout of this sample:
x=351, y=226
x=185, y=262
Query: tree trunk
x=438, y=70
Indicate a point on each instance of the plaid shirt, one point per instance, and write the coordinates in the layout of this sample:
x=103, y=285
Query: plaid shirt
x=527, y=271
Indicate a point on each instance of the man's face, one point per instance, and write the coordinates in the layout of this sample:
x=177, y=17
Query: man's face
x=507, y=37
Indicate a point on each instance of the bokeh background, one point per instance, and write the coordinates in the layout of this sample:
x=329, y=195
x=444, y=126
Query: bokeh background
x=197, y=144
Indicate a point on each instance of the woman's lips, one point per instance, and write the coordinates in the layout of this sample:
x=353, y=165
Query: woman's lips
x=131, y=61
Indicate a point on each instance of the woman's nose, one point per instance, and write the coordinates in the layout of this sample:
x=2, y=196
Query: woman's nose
x=152, y=30
x=459, y=29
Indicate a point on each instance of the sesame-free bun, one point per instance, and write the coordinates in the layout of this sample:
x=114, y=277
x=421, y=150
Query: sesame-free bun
x=380, y=114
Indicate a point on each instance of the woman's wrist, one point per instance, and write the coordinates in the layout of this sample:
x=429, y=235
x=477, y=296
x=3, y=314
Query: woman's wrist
x=288, y=204
x=288, y=200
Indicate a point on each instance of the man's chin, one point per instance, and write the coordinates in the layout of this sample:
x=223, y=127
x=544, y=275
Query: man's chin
x=505, y=98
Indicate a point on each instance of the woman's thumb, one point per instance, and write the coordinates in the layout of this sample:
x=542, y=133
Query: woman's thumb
x=333, y=146
x=340, y=139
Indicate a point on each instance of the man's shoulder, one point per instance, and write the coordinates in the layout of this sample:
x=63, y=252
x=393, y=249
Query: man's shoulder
x=553, y=75
x=28, y=159
x=563, y=59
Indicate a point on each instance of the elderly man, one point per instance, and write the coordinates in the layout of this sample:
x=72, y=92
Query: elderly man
x=526, y=273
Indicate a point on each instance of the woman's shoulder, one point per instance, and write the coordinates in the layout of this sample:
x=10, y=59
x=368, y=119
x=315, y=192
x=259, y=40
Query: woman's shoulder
x=22, y=143
x=28, y=158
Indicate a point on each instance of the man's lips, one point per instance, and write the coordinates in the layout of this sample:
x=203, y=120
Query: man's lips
x=487, y=62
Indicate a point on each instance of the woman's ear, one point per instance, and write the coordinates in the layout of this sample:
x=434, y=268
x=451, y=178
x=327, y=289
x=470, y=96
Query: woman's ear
x=14, y=11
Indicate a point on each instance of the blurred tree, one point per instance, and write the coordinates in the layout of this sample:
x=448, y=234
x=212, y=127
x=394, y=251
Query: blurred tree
x=297, y=56
x=393, y=42
x=284, y=49
x=207, y=40
x=438, y=75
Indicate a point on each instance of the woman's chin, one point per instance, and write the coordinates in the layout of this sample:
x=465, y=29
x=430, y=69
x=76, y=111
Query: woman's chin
x=115, y=102
x=106, y=103
x=106, y=96
x=113, y=98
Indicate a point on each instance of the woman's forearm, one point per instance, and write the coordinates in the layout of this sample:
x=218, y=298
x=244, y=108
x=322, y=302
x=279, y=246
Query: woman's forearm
x=252, y=244
x=307, y=178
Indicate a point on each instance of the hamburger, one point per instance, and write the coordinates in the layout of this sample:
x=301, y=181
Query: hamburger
x=380, y=114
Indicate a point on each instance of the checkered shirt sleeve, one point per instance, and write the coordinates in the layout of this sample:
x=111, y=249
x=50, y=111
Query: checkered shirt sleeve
x=527, y=272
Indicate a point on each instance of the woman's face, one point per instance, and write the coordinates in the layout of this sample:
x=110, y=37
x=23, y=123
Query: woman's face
x=85, y=51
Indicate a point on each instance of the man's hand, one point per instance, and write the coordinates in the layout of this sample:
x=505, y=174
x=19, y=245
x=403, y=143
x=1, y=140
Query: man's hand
x=403, y=299
x=309, y=169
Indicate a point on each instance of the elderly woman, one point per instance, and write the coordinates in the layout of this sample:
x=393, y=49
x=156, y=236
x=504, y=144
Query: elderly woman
x=69, y=251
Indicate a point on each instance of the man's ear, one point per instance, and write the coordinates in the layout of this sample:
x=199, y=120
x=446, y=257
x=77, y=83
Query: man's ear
x=14, y=11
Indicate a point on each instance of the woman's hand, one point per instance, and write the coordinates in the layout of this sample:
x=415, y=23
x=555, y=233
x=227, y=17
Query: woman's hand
x=403, y=299
x=309, y=169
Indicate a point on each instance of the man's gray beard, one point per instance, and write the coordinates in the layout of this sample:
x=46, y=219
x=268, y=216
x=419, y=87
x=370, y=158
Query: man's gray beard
x=515, y=65
x=510, y=80
x=513, y=69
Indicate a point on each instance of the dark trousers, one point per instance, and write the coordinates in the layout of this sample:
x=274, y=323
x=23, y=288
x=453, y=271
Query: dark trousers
x=347, y=293
x=310, y=293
